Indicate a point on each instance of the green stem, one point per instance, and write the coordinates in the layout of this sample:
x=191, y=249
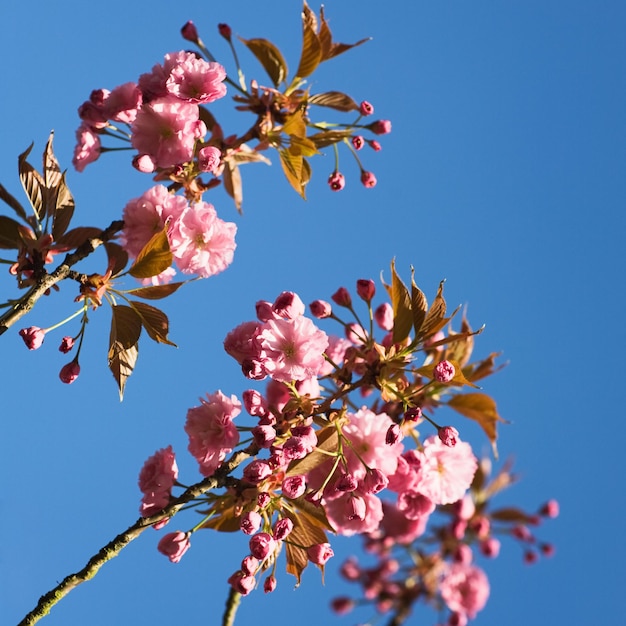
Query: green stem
x=232, y=604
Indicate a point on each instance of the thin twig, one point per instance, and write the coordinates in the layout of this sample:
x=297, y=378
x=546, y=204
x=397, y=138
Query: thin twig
x=28, y=301
x=232, y=604
x=115, y=546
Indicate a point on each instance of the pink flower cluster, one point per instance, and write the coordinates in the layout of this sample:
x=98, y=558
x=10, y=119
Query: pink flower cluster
x=156, y=479
x=200, y=241
x=284, y=344
x=161, y=110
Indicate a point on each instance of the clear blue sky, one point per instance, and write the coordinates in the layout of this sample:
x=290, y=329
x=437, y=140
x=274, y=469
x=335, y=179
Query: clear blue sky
x=504, y=174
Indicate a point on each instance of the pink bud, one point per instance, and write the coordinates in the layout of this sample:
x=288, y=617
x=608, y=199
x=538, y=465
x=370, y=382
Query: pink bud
x=355, y=508
x=413, y=414
x=264, y=311
x=366, y=288
x=256, y=472
x=522, y=533
x=242, y=583
x=254, y=403
x=547, y=549
x=288, y=305
x=358, y=142
x=144, y=163
x=264, y=435
x=282, y=528
x=320, y=553
x=530, y=557
x=294, y=486
x=69, y=372
x=384, y=316
x=209, y=159
x=261, y=545
x=350, y=569
x=393, y=434
x=374, y=481
x=269, y=584
x=67, y=343
x=342, y=297
x=550, y=509
x=482, y=527
x=342, y=605
x=374, y=145
x=347, y=483
x=249, y=565
x=320, y=309
x=444, y=372
x=368, y=179
x=263, y=499
x=225, y=31
x=33, y=337
x=448, y=435
x=336, y=181
x=463, y=554
x=174, y=545
x=490, y=547
x=250, y=522
x=365, y=108
x=189, y=32
x=380, y=127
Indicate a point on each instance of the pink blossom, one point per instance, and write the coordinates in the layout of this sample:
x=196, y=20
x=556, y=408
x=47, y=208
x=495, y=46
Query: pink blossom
x=336, y=181
x=212, y=434
x=448, y=435
x=123, y=103
x=400, y=528
x=413, y=414
x=380, y=127
x=288, y=305
x=358, y=142
x=261, y=545
x=465, y=589
x=444, y=372
x=320, y=309
x=349, y=514
x=67, y=343
x=91, y=112
x=320, y=553
x=293, y=349
x=384, y=316
x=242, y=342
x=256, y=472
x=269, y=584
x=374, y=481
x=196, y=80
x=336, y=352
x=87, y=147
x=282, y=528
x=166, y=129
x=156, y=479
x=33, y=337
x=250, y=522
x=368, y=179
x=415, y=505
x=294, y=486
x=209, y=159
x=203, y=244
x=242, y=583
x=69, y=372
x=445, y=473
x=174, y=545
x=365, y=108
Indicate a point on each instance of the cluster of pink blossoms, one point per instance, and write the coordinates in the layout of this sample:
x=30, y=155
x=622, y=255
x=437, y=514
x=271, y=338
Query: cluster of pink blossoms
x=200, y=241
x=161, y=112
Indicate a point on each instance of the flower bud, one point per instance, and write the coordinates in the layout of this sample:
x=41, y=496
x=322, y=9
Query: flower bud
x=209, y=159
x=380, y=127
x=33, y=337
x=448, y=435
x=241, y=583
x=358, y=142
x=269, y=584
x=384, y=316
x=249, y=565
x=320, y=553
x=375, y=145
x=374, y=481
x=336, y=181
x=294, y=486
x=550, y=509
x=250, y=522
x=69, y=372
x=342, y=297
x=144, y=163
x=365, y=108
x=393, y=434
x=261, y=545
x=189, y=32
x=347, y=483
x=366, y=288
x=174, y=545
x=444, y=372
x=368, y=179
x=67, y=343
x=288, y=305
x=413, y=414
x=320, y=309
x=263, y=499
x=490, y=547
x=282, y=528
x=225, y=31
x=256, y=472
x=342, y=605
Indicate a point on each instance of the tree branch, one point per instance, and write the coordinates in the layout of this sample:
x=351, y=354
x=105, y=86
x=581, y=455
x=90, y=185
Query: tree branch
x=115, y=546
x=232, y=604
x=28, y=301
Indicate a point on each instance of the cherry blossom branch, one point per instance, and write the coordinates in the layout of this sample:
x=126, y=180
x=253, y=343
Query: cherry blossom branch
x=115, y=546
x=232, y=604
x=46, y=282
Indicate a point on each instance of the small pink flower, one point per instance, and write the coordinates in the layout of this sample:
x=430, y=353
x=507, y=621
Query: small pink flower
x=294, y=486
x=67, y=343
x=368, y=179
x=288, y=305
x=156, y=479
x=393, y=435
x=365, y=108
x=261, y=545
x=195, y=80
x=269, y=584
x=374, y=481
x=282, y=528
x=320, y=309
x=123, y=103
x=174, y=545
x=250, y=565
x=448, y=435
x=336, y=181
x=225, y=31
x=358, y=142
x=242, y=583
x=250, y=522
x=415, y=505
x=444, y=372
x=413, y=414
x=263, y=499
x=33, y=337
x=209, y=159
x=465, y=589
x=384, y=316
x=380, y=127
x=320, y=553
x=69, y=372
x=256, y=472
x=366, y=288
x=87, y=147
x=190, y=32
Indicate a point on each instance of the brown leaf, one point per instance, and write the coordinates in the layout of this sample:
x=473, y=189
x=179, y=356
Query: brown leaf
x=155, y=292
x=10, y=233
x=62, y=208
x=306, y=532
x=74, y=238
x=207, y=117
x=232, y=183
x=512, y=514
x=401, y=303
x=32, y=182
x=335, y=100
x=419, y=305
x=154, y=258
x=329, y=137
x=51, y=177
x=154, y=321
x=311, y=55
x=245, y=154
x=270, y=57
x=12, y=202
x=294, y=169
x=327, y=441
x=330, y=49
x=435, y=318
x=485, y=368
x=481, y=408
x=123, y=344
x=117, y=256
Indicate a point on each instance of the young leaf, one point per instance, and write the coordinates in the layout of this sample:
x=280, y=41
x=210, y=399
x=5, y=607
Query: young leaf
x=155, y=292
x=512, y=514
x=480, y=408
x=329, y=137
x=311, y=55
x=51, y=177
x=293, y=167
x=419, y=305
x=74, y=238
x=436, y=316
x=12, y=202
x=117, y=256
x=401, y=303
x=270, y=57
x=327, y=441
x=330, y=49
x=154, y=258
x=232, y=183
x=335, y=100
x=306, y=532
x=154, y=321
x=123, y=344
x=32, y=182
x=10, y=233
x=62, y=209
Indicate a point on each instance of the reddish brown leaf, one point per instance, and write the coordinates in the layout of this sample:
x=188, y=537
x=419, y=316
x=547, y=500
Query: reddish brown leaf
x=154, y=258
x=155, y=292
x=118, y=257
x=12, y=202
x=311, y=54
x=62, y=209
x=401, y=303
x=329, y=137
x=306, y=532
x=480, y=408
x=511, y=514
x=232, y=183
x=154, y=321
x=32, y=182
x=74, y=238
x=419, y=305
x=10, y=233
x=123, y=344
x=436, y=317
x=270, y=58
x=295, y=170
x=335, y=100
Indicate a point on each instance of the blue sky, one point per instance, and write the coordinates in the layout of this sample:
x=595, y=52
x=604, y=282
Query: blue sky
x=504, y=174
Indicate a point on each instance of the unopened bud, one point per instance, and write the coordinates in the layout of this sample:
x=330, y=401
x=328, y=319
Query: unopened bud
x=336, y=181
x=225, y=31
x=444, y=372
x=189, y=32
